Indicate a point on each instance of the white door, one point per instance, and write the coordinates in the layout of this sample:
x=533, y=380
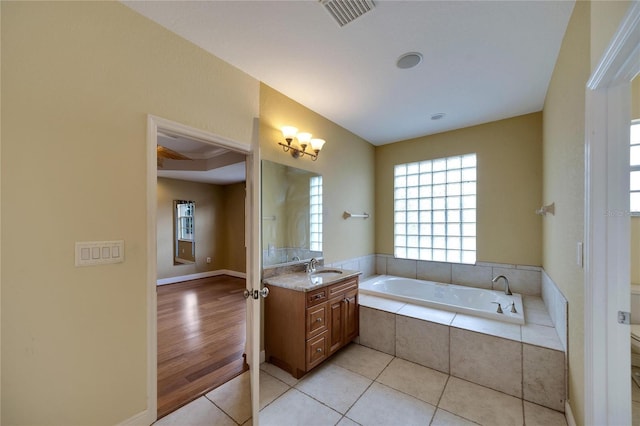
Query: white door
x=253, y=292
x=607, y=291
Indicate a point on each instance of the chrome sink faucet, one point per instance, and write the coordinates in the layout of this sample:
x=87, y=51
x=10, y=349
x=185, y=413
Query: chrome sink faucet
x=311, y=266
x=507, y=290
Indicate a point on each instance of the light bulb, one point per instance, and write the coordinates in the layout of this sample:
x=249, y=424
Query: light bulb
x=316, y=144
x=289, y=132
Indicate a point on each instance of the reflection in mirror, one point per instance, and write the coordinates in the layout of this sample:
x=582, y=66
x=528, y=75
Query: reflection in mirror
x=291, y=214
x=184, y=231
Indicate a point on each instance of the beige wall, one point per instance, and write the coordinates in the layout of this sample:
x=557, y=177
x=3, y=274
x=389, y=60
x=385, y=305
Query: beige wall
x=346, y=164
x=217, y=217
x=509, y=185
x=563, y=182
x=590, y=30
x=605, y=18
x=78, y=79
x=234, y=252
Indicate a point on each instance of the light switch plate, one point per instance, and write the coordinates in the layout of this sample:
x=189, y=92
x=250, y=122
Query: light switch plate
x=580, y=254
x=99, y=252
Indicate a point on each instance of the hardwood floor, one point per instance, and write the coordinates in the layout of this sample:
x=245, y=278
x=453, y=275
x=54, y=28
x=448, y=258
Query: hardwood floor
x=201, y=338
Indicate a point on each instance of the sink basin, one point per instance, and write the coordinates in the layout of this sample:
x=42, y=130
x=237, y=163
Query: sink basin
x=326, y=271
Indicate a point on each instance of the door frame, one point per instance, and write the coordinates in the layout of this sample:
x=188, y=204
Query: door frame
x=607, y=226
x=154, y=125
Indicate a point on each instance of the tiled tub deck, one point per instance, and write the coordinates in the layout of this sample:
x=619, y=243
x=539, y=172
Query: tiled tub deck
x=525, y=361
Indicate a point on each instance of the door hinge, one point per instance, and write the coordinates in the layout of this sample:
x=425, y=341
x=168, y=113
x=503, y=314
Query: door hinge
x=624, y=317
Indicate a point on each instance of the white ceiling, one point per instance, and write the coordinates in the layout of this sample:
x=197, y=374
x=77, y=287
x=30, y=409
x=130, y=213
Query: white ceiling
x=483, y=60
x=207, y=163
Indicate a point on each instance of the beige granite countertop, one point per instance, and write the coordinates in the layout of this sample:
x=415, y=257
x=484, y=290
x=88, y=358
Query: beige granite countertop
x=302, y=281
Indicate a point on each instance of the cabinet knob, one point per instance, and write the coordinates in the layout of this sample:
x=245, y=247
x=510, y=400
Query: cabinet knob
x=319, y=350
x=318, y=319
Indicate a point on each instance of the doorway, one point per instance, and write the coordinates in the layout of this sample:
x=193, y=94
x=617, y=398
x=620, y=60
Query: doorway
x=607, y=227
x=201, y=261
x=230, y=153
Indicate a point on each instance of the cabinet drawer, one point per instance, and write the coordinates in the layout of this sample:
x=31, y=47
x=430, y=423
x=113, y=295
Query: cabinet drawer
x=316, y=320
x=316, y=350
x=343, y=286
x=316, y=296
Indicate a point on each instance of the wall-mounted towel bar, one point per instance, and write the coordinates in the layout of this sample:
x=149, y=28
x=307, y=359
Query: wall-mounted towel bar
x=347, y=215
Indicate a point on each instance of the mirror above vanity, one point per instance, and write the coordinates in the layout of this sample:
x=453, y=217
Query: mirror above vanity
x=291, y=215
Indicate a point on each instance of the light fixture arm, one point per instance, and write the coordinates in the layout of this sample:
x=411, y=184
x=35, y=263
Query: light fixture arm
x=297, y=153
x=304, y=140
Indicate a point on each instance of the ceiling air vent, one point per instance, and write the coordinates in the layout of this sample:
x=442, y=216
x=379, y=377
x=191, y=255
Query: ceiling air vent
x=345, y=11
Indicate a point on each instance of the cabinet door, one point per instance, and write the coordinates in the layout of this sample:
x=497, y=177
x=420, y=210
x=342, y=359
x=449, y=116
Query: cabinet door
x=351, y=316
x=336, y=325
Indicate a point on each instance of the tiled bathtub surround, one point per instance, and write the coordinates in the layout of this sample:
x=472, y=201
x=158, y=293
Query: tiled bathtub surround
x=525, y=361
x=557, y=306
x=522, y=279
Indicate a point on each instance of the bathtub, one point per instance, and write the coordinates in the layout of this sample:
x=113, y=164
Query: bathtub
x=448, y=297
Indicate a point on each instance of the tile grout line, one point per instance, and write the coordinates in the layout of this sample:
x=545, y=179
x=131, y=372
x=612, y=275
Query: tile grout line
x=277, y=397
x=223, y=411
x=370, y=384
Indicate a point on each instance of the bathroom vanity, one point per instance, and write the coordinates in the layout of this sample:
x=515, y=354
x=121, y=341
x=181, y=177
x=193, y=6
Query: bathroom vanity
x=308, y=317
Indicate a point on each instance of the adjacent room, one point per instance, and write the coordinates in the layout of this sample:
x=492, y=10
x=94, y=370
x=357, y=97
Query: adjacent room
x=200, y=267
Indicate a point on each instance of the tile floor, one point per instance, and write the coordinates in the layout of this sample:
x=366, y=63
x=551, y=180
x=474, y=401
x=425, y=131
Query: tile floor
x=362, y=386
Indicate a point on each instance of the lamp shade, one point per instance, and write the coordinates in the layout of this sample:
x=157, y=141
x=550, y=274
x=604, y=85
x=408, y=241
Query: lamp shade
x=317, y=144
x=304, y=138
x=289, y=132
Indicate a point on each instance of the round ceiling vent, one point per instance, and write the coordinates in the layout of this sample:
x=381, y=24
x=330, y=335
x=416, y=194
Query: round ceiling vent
x=409, y=60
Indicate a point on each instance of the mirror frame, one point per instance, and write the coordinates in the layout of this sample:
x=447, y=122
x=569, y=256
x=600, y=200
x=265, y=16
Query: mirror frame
x=184, y=249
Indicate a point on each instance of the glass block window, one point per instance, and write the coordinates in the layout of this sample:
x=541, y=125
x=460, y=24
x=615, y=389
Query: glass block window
x=315, y=213
x=435, y=210
x=634, y=177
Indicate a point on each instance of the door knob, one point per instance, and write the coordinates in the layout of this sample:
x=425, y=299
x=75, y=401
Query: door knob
x=256, y=293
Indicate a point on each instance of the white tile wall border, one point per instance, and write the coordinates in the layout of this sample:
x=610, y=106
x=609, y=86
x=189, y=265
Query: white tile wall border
x=523, y=279
x=557, y=307
x=365, y=264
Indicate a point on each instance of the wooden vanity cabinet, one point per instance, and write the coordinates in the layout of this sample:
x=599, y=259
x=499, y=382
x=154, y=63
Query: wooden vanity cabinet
x=301, y=329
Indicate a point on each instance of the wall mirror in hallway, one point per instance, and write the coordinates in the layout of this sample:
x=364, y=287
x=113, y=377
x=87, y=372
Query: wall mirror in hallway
x=184, y=231
x=291, y=214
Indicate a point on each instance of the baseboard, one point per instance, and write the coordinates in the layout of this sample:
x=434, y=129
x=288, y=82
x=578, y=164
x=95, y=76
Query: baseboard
x=207, y=274
x=140, y=419
x=568, y=414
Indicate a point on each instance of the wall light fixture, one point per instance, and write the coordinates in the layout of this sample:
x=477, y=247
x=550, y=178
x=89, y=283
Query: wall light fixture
x=304, y=140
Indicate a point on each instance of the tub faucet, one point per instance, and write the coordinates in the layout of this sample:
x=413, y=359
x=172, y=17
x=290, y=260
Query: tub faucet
x=311, y=266
x=507, y=290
